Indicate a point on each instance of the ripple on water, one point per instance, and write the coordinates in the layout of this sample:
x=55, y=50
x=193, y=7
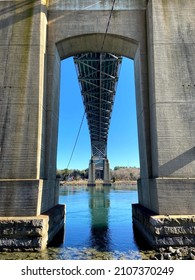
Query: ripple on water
x=71, y=254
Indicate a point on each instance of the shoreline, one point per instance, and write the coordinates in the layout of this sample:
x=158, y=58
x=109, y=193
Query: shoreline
x=98, y=182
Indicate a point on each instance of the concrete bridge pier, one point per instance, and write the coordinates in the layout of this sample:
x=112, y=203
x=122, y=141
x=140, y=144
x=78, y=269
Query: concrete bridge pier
x=91, y=176
x=30, y=215
x=106, y=173
x=165, y=214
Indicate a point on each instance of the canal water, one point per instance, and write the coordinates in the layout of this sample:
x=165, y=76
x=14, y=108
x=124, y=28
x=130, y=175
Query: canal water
x=98, y=226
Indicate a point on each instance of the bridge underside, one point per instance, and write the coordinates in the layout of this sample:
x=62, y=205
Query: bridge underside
x=98, y=75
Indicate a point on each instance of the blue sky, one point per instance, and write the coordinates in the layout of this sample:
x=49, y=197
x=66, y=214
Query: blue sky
x=122, y=141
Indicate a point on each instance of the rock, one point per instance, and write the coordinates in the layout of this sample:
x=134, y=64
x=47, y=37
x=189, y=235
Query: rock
x=172, y=250
x=192, y=250
x=159, y=256
x=167, y=256
x=153, y=258
x=191, y=256
x=178, y=252
x=162, y=249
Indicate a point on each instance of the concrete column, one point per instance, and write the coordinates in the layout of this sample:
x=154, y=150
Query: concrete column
x=171, y=48
x=106, y=173
x=22, y=107
x=91, y=178
x=25, y=192
x=167, y=196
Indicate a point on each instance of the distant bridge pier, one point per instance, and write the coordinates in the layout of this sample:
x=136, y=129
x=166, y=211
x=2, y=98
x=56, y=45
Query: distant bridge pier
x=106, y=173
x=99, y=169
x=91, y=176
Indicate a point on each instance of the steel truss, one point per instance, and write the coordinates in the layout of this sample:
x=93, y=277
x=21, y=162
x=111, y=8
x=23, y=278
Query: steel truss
x=98, y=76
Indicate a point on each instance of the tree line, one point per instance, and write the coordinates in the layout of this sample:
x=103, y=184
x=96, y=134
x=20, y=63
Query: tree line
x=119, y=173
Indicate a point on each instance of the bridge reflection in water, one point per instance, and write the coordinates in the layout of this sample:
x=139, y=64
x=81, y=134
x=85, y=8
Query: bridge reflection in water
x=99, y=203
x=99, y=218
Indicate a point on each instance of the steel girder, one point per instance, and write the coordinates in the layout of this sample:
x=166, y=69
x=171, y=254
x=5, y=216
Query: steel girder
x=98, y=75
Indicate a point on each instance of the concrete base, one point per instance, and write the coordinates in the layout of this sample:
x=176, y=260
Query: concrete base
x=164, y=230
x=31, y=233
x=168, y=196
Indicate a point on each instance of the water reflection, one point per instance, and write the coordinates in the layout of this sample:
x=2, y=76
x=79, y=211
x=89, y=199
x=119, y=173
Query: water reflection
x=99, y=217
x=98, y=226
x=99, y=203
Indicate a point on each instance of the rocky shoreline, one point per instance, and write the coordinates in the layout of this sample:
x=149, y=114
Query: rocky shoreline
x=170, y=253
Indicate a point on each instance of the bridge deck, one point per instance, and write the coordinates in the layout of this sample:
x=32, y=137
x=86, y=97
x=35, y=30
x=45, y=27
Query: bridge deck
x=98, y=75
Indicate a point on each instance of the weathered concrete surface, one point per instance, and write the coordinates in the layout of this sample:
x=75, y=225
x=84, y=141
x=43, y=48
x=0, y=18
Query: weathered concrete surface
x=171, y=56
x=22, y=54
x=22, y=107
x=171, y=41
x=168, y=196
x=162, y=230
x=24, y=187
x=19, y=197
x=31, y=233
x=96, y=5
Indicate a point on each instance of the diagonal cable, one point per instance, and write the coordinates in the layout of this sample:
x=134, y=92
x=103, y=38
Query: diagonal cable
x=105, y=34
x=76, y=140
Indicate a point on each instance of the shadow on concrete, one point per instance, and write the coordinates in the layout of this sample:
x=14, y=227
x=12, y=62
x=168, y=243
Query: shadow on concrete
x=177, y=163
x=18, y=12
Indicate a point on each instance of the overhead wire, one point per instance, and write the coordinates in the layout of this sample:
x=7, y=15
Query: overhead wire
x=76, y=139
x=108, y=24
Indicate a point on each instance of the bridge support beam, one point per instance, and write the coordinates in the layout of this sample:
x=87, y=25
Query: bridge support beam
x=91, y=176
x=106, y=174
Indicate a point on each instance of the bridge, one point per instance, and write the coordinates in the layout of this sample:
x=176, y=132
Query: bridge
x=98, y=75
x=35, y=35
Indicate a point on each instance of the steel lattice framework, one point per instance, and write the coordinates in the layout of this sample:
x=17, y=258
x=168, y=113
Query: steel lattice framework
x=98, y=75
